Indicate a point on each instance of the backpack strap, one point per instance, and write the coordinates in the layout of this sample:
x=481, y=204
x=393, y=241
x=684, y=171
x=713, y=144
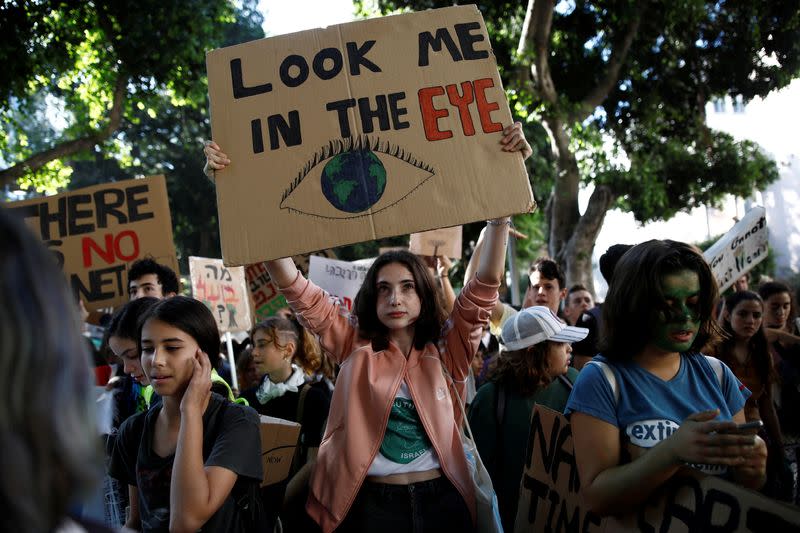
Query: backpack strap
x=501, y=394
x=301, y=402
x=611, y=378
x=716, y=365
x=565, y=381
x=300, y=452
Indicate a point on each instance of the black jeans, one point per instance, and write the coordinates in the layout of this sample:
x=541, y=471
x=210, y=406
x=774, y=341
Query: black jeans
x=427, y=506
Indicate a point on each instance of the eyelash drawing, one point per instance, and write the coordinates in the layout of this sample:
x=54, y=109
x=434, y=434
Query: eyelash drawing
x=349, y=144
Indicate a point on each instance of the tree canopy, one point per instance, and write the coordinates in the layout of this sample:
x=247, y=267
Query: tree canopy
x=619, y=87
x=94, y=66
x=162, y=125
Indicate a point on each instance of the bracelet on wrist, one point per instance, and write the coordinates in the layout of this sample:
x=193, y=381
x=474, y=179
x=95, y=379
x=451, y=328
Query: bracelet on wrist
x=495, y=222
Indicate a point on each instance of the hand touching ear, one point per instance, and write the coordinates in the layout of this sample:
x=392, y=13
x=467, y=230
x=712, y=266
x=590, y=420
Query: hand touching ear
x=199, y=390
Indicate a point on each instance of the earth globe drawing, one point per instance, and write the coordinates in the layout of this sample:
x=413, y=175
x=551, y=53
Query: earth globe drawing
x=354, y=181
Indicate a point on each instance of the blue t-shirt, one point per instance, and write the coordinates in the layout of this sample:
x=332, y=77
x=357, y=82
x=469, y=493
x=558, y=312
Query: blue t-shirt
x=650, y=409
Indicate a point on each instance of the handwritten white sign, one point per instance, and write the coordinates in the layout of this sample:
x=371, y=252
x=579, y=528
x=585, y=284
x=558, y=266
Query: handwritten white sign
x=742, y=248
x=223, y=290
x=342, y=279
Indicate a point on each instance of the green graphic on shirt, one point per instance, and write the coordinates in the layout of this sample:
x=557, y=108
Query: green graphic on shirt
x=405, y=438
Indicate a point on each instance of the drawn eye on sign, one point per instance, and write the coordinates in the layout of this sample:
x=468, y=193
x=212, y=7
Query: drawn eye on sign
x=355, y=177
x=361, y=131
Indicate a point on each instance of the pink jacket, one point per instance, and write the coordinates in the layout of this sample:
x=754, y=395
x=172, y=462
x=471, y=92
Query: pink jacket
x=367, y=385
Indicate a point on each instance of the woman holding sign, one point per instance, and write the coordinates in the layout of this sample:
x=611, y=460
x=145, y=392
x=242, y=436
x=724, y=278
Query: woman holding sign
x=392, y=458
x=651, y=403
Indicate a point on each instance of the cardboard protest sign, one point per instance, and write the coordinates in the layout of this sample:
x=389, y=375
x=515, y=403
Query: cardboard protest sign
x=444, y=241
x=383, y=249
x=690, y=501
x=278, y=444
x=744, y=246
x=97, y=232
x=223, y=290
x=265, y=300
x=342, y=279
x=360, y=131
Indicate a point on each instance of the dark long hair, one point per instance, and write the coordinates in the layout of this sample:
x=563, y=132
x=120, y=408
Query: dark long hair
x=125, y=321
x=635, y=298
x=757, y=345
x=432, y=314
x=190, y=316
x=523, y=371
x=51, y=454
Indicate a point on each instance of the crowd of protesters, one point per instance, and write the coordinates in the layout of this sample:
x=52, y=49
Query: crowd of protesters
x=376, y=390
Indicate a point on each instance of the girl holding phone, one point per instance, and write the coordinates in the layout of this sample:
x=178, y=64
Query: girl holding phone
x=672, y=405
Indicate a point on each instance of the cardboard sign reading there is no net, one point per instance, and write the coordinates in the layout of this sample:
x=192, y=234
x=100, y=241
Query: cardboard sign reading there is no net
x=97, y=232
x=550, y=498
x=360, y=131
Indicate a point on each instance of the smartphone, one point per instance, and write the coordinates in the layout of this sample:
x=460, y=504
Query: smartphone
x=747, y=427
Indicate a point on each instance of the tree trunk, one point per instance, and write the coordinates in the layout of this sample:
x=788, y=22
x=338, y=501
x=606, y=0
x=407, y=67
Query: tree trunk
x=564, y=214
x=571, y=235
x=577, y=254
x=67, y=148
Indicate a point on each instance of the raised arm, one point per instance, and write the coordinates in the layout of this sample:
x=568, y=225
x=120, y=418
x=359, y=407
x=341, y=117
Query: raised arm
x=282, y=272
x=477, y=301
x=493, y=255
x=314, y=309
x=443, y=266
x=493, y=258
x=513, y=140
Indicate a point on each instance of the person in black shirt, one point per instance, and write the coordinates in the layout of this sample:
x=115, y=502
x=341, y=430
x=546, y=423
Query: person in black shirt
x=185, y=459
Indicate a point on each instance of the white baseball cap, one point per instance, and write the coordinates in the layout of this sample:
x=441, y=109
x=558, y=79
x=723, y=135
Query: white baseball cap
x=533, y=325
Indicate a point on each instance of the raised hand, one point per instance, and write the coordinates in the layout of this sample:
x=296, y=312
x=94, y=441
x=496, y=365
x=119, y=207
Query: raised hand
x=514, y=140
x=215, y=158
x=198, y=391
x=443, y=265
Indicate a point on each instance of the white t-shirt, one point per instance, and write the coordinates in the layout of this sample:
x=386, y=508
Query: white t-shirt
x=405, y=447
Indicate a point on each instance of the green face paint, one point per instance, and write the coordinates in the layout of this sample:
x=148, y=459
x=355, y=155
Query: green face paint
x=676, y=327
